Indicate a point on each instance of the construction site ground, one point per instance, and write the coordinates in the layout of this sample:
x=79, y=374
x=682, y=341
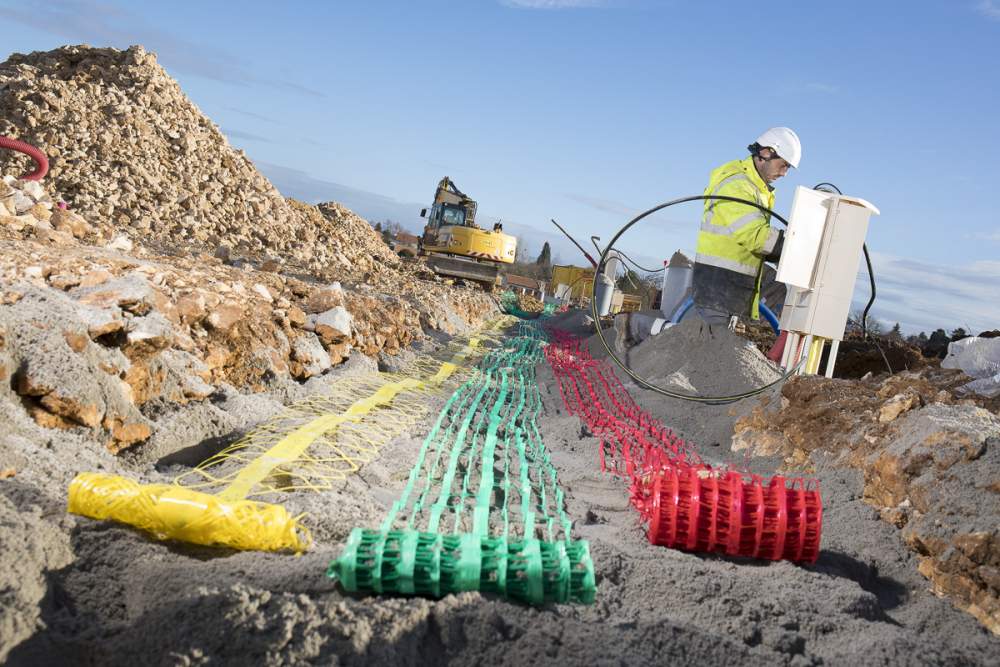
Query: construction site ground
x=112, y=595
x=180, y=305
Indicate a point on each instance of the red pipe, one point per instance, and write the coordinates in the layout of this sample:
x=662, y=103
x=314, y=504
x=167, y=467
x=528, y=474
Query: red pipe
x=37, y=155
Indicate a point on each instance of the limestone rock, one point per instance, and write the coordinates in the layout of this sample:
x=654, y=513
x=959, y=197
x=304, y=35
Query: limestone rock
x=224, y=317
x=334, y=324
x=310, y=357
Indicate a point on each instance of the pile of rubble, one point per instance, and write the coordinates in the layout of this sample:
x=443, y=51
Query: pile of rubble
x=529, y=303
x=102, y=335
x=126, y=147
x=27, y=212
x=930, y=457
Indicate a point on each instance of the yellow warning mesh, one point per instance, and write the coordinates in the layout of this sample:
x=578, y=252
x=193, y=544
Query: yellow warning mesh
x=341, y=431
x=325, y=438
x=172, y=512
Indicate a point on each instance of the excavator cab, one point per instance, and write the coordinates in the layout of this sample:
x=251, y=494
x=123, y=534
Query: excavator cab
x=445, y=214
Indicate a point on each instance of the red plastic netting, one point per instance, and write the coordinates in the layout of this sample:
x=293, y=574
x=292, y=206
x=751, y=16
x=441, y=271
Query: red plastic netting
x=684, y=502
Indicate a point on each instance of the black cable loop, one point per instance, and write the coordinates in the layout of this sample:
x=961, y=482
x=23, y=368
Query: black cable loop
x=710, y=400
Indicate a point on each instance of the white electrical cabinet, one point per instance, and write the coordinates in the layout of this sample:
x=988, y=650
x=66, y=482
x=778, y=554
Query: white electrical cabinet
x=819, y=265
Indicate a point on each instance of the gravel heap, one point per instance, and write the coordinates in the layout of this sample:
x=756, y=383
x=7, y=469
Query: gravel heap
x=127, y=147
x=103, y=337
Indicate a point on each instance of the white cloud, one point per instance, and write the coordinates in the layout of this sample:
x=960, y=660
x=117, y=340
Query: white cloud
x=369, y=205
x=553, y=4
x=986, y=236
x=989, y=9
x=106, y=24
x=923, y=296
x=246, y=136
x=605, y=205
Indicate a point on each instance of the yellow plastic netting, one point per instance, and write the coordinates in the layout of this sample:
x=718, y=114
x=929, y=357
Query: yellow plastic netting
x=308, y=446
x=172, y=512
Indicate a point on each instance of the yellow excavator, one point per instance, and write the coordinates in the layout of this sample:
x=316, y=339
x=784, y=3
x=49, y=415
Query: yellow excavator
x=455, y=246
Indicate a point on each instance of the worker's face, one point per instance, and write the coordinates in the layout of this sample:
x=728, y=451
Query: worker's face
x=770, y=166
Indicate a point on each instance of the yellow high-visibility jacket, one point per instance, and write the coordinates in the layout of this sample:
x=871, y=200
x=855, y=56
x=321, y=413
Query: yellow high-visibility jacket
x=734, y=240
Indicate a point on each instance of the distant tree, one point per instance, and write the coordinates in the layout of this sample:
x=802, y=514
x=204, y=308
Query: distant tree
x=896, y=333
x=378, y=227
x=959, y=334
x=856, y=319
x=394, y=227
x=938, y=337
x=545, y=256
x=523, y=255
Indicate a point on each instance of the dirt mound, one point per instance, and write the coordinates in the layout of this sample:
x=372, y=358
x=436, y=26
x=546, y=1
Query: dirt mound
x=859, y=356
x=931, y=465
x=128, y=148
x=529, y=304
x=104, y=337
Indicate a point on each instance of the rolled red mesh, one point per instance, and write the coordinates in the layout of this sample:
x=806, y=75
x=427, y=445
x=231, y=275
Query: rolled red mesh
x=684, y=502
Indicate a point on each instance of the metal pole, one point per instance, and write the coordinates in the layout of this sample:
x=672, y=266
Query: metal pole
x=834, y=346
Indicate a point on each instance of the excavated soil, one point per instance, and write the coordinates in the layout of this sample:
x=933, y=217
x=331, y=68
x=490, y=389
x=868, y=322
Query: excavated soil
x=179, y=302
x=107, y=594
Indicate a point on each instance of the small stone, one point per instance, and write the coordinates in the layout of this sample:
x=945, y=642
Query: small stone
x=120, y=242
x=311, y=357
x=153, y=330
x=100, y=321
x=224, y=317
x=896, y=406
x=191, y=307
x=47, y=235
x=40, y=212
x=64, y=281
x=33, y=189
x=9, y=298
x=296, y=316
x=76, y=341
x=263, y=291
x=123, y=435
x=334, y=324
x=95, y=278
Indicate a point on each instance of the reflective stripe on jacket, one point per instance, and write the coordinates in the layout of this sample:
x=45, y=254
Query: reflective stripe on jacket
x=737, y=237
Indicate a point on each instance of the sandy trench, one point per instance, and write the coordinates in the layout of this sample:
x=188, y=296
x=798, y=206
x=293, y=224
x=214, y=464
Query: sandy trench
x=114, y=596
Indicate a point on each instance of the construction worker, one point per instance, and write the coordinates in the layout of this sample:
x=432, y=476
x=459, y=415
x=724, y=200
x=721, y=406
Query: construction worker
x=736, y=239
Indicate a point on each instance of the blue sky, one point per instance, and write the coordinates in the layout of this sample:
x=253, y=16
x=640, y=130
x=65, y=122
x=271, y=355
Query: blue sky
x=590, y=111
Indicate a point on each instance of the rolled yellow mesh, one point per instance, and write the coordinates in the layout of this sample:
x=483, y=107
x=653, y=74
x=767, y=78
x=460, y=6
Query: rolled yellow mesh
x=172, y=512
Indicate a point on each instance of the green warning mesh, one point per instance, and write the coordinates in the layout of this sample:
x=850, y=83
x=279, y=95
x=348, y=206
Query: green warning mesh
x=482, y=508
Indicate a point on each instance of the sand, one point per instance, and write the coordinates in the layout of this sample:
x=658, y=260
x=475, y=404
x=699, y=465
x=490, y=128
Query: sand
x=99, y=593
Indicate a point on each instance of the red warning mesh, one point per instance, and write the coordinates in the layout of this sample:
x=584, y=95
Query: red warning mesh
x=684, y=502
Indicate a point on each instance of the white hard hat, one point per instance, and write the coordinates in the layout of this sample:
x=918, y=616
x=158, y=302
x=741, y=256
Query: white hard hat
x=784, y=142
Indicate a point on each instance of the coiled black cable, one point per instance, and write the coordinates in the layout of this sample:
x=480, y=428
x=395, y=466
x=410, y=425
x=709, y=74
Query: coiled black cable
x=710, y=400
